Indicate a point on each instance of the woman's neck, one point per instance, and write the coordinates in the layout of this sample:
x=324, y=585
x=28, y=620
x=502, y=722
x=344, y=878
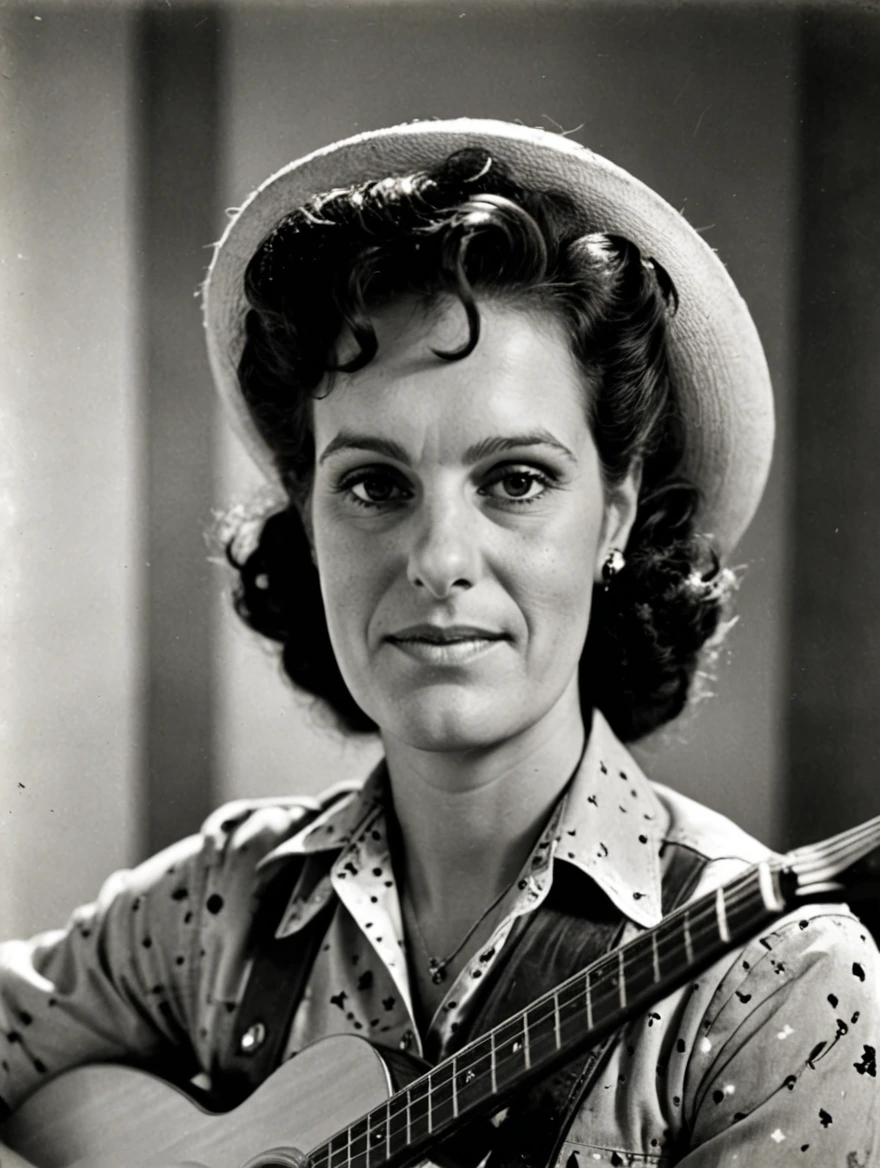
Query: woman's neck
x=468, y=820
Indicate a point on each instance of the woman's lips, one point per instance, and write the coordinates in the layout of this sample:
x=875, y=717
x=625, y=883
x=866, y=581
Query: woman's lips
x=452, y=645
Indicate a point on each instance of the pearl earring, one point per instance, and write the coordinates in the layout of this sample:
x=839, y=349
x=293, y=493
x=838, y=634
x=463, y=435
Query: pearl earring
x=615, y=561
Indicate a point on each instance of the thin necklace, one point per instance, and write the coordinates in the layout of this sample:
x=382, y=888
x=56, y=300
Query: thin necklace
x=437, y=965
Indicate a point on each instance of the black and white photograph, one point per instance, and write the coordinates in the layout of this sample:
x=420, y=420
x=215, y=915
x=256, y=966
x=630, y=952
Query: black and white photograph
x=439, y=583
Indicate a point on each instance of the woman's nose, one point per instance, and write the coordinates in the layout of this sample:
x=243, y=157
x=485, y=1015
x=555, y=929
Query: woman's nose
x=444, y=554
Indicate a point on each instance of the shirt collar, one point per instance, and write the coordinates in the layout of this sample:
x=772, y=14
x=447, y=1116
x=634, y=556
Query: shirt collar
x=611, y=825
x=337, y=826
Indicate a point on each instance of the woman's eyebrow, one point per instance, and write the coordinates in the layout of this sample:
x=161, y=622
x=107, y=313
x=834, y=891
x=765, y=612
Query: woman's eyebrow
x=499, y=444
x=345, y=440
x=504, y=442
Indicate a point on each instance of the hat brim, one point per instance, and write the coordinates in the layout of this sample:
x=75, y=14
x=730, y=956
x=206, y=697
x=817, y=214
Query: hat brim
x=718, y=366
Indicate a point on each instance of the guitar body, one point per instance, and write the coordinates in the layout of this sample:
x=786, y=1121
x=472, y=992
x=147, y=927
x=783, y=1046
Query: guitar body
x=114, y=1117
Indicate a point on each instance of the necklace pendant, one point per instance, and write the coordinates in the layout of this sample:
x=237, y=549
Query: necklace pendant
x=437, y=970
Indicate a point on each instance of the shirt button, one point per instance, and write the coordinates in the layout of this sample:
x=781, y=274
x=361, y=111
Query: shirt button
x=252, y=1039
x=408, y=1041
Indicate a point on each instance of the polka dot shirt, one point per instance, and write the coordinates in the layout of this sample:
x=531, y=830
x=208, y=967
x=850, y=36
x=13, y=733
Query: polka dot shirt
x=769, y=1057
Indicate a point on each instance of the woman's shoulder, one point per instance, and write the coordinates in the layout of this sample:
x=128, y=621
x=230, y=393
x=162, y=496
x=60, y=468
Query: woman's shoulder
x=806, y=943
x=723, y=850
x=256, y=827
x=710, y=834
x=796, y=1006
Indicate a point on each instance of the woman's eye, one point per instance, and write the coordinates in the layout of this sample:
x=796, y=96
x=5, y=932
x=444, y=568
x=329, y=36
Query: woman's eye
x=518, y=486
x=373, y=489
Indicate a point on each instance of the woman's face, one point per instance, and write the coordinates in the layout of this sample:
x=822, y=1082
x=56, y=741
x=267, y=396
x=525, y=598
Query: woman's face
x=459, y=521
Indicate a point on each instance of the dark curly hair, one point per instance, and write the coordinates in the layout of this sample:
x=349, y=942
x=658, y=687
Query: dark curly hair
x=462, y=228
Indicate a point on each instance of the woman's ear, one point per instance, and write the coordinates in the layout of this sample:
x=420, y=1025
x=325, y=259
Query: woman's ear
x=621, y=507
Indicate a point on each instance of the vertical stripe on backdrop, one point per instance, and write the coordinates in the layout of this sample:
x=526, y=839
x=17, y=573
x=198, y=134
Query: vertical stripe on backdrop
x=178, y=147
x=834, y=682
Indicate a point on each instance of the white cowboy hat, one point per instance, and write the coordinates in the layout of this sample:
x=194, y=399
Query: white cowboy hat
x=718, y=366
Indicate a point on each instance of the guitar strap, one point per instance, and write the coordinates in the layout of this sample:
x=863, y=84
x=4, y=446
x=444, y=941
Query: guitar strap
x=280, y=967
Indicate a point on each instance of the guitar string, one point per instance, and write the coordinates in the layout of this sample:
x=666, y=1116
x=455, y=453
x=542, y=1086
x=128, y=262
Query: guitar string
x=805, y=862
x=383, y=1117
x=822, y=853
x=739, y=892
x=857, y=849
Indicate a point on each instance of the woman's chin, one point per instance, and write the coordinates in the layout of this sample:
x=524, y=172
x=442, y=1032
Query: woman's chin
x=426, y=722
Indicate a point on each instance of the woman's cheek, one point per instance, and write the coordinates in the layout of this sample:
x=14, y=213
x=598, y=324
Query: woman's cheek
x=555, y=604
x=353, y=576
x=559, y=572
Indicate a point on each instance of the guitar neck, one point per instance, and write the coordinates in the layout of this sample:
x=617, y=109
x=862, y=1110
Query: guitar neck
x=555, y=1027
x=582, y=1010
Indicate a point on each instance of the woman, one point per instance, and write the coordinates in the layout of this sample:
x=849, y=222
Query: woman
x=520, y=416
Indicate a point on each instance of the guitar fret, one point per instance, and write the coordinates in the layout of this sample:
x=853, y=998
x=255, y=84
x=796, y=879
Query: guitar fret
x=443, y=1101
x=655, y=956
x=399, y=1129
x=527, y=1054
x=408, y=1116
x=746, y=905
x=688, y=943
x=360, y=1131
x=382, y=1133
x=621, y=978
x=493, y=1059
x=768, y=890
x=395, y=1126
x=474, y=1074
x=420, y=1105
x=721, y=914
x=556, y=1019
x=589, y=1005
x=356, y=1135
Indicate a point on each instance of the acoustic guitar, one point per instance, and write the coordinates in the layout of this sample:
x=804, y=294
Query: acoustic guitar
x=335, y=1104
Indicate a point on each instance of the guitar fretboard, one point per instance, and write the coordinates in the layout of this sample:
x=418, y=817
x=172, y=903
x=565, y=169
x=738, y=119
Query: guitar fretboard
x=555, y=1027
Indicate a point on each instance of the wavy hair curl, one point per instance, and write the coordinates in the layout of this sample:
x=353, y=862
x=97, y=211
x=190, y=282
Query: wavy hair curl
x=468, y=230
